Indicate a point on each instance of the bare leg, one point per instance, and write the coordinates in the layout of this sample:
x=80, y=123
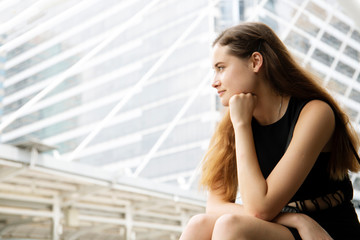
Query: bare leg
x=200, y=227
x=238, y=227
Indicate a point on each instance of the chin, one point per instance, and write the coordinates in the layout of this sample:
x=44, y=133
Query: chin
x=225, y=103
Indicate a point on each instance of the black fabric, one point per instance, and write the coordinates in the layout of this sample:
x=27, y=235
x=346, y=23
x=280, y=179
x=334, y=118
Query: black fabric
x=295, y=233
x=294, y=117
x=271, y=142
x=340, y=222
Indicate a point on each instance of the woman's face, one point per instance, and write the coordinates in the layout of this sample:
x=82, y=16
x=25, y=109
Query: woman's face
x=232, y=75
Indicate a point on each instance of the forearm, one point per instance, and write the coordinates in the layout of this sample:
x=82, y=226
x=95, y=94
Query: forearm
x=219, y=209
x=307, y=227
x=288, y=219
x=253, y=187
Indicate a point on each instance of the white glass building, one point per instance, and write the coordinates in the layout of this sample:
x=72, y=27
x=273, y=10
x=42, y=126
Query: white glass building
x=116, y=90
x=123, y=71
x=124, y=86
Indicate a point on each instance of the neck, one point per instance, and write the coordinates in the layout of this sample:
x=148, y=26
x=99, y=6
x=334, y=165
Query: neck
x=270, y=108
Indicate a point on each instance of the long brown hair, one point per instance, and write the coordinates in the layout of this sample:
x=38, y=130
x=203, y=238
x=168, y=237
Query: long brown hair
x=287, y=78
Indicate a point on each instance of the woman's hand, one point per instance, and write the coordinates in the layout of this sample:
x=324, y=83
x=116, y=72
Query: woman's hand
x=307, y=227
x=241, y=108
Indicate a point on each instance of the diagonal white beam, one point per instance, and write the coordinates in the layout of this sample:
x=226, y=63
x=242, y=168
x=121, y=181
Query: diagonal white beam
x=255, y=14
x=171, y=126
x=107, y=39
x=101, y=16
x=137, y=87
x=7, y=3
x=24, y=15
x=46, y=25
x=294, y=19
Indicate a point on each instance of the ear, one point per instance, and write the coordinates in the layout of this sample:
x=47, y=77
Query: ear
x=256, y=61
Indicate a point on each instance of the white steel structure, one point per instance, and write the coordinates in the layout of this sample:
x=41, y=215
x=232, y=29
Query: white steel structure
x=121, y=89
x=124, y=89
x=44, y=198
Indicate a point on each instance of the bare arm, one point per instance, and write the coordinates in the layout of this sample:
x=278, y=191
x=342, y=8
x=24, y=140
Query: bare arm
x=264, y=198
x=216, y=205
x=308, y=228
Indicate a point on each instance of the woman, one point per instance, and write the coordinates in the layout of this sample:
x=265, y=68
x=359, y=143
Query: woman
x=284, y=144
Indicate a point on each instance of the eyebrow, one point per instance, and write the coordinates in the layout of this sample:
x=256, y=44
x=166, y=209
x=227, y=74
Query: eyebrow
x=218, y=63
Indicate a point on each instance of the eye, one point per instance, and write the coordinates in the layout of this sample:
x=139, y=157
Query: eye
x=220, y=68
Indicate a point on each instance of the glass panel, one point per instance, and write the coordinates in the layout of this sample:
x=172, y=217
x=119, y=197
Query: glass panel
x=41, y=57
x=318, y=76
x=17, y=104
x=356, y=35
x=323, y=57
x=305, y=24
x=331, y=40
x=271, y=6
x=70, y=145
x=298, y=42
x=39, y=76
x=186, y=133
x=357, y=183
x=281, y=9
x=353, y=53
x=345, y=69
x=55, y=129
x=316, y=10
x=336, y=86
x=339, y=25
x=160, y=166
x=355, y=95
x=352, y=113
x=270, y=22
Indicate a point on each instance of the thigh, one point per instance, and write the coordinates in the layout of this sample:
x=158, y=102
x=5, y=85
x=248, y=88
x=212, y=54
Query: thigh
x=232, y=226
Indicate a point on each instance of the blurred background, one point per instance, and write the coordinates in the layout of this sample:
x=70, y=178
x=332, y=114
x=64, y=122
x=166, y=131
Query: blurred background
x=106, y=106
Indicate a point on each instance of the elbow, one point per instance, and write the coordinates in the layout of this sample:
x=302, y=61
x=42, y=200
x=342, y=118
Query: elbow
x=262, y=214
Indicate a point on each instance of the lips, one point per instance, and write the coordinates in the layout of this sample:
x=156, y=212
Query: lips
x=221, y=92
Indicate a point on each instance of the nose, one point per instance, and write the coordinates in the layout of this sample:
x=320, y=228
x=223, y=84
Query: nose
x=216, y=83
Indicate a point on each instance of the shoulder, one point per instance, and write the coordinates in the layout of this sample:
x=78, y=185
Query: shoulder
x=318, y=108
x=317, y=114
x=313, y=130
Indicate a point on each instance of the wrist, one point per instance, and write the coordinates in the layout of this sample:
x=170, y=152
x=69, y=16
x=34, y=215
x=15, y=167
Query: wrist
x=241, y=125
x=293, y=220
x=300, y=221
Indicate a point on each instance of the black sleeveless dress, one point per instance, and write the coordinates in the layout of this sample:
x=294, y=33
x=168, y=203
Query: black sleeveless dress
x=340, y=222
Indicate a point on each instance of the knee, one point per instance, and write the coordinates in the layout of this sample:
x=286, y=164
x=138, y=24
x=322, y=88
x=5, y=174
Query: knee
x=228, y=222
x=199, y=227
x=231, y=226
x=199, y=220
